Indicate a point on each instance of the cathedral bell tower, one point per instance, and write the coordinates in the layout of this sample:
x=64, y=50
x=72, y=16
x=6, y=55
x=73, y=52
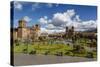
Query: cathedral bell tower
x=22, y=29
x=22, y=23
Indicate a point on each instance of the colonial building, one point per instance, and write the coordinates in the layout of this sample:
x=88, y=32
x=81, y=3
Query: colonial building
x=35, y=32
x=22, y=32
x=69, y=32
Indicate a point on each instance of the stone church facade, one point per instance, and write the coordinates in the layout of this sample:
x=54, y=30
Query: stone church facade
x=22, y=32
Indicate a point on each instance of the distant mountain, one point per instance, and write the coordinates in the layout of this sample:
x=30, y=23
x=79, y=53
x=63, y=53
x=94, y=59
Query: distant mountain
x=91, y=30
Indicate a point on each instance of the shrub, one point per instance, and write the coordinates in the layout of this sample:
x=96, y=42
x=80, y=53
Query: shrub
x=67, y=53
x=89, y=55
x=76, y=47
x=32, y=52
x=59, y=54
x=24, y=50
x=46, y=52
x=17, y=44
x=82, y=50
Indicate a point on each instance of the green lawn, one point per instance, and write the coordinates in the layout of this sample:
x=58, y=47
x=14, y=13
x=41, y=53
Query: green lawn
x=50, y=48
x=41, y=48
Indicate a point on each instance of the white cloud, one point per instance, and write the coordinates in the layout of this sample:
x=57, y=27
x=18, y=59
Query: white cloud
x=89, y=24
x=77, y=18
x=69, y=18
x=85, y=25
x=27, y=19
x=50, y=31
x=35, y=6
x=44, y=30
x=49, y=5
x=70, y=12
x=50, y=26
x=43, y=20
x=60, y=19
x=18, y=5
x=49, y=21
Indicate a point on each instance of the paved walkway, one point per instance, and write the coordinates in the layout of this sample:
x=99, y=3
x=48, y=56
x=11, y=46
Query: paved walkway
x=25, y=59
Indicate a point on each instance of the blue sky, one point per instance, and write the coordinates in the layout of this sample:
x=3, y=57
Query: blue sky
x=33, y=12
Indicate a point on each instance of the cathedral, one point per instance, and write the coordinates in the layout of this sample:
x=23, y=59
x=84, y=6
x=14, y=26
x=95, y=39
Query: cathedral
x=22, y=32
